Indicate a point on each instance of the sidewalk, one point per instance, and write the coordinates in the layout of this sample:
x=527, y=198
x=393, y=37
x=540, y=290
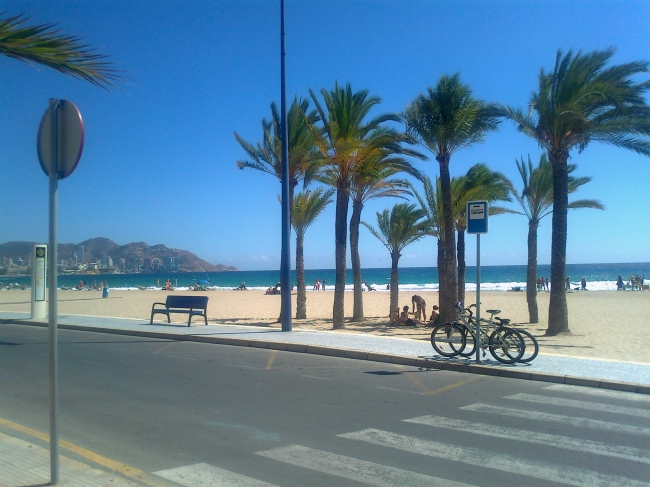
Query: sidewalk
x=24, y=464
x=596, y=373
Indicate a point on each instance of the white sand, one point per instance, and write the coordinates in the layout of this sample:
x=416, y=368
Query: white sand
x=604, y=324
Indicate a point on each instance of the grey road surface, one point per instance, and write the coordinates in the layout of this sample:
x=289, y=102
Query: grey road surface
x=203, y=415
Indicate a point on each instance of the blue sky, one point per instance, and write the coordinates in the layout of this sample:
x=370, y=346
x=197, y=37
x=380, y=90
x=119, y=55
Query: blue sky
x=159, y=158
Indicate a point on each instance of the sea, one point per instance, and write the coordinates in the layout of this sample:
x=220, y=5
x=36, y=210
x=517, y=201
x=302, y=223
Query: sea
x=600, y=277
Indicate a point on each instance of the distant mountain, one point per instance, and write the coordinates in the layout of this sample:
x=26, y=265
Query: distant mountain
x=134, y=253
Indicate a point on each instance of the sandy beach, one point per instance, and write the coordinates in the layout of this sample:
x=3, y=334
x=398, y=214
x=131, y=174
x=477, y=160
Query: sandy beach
x=604, y=324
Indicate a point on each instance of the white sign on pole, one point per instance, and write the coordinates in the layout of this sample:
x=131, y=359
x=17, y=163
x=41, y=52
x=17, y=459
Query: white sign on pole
x=39, y=266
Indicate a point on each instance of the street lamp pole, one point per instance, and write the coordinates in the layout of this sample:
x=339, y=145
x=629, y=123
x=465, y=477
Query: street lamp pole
x=285, y=261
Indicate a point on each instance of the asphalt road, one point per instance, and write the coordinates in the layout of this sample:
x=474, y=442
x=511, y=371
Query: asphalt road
x=196, y=412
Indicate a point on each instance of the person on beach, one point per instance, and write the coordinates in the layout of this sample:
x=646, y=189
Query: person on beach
x=394, y=316
x=619, y=284
x=368, y=286
x=435, y=316
x=404, y=319
x=168, y=285
x=583, y=284
x=420, y=307
x=568, y=283
x=322, y=283
x=546, y=283
x=316, y=285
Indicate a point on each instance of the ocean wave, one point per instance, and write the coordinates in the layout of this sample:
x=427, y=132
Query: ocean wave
x=381, y=287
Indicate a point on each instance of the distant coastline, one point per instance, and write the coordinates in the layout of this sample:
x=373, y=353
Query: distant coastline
x=102, y=255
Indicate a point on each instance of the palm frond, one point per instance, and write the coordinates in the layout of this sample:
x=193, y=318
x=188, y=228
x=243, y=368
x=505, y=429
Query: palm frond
x=44, y=44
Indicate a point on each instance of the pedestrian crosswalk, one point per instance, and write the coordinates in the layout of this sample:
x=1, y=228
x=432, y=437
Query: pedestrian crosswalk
x=557, y=441
x=595, y=452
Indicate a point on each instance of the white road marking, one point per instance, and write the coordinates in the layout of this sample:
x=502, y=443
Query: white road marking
x=626, y=396
x=573, y=403
x=558, y=418
x=400, y=390
x=557, y=441
x=351, y=468
x=563, y=474
x=205, y=475
x=316, y=377
x=244, y=366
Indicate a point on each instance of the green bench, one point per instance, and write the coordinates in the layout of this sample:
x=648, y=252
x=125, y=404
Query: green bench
x=192, y=305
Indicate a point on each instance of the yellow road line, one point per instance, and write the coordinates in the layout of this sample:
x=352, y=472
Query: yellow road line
x=122, y=468
x=453, y=386
x=165, y=347
x=418, y=383
x=271, y=359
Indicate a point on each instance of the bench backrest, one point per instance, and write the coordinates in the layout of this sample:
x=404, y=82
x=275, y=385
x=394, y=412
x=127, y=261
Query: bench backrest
x=195, y=302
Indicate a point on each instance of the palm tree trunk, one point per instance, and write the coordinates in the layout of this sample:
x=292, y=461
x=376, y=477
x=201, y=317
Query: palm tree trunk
x=340, y=237
x=301, y=306
x=558, y=315
x=531, y=272
x=462, y=268
x=357, y=206
x=442, y=288
x=394, y=281
x=447, y=304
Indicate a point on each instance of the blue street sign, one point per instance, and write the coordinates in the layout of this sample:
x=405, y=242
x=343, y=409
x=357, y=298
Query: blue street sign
x=477, y=217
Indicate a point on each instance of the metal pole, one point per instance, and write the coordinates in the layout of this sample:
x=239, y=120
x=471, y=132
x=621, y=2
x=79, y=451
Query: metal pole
x=53, y=312
x=478, y=298
x=285, y=264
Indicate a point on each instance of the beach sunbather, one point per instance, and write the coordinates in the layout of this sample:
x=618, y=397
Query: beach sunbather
x=435, y=316
x=404, y=319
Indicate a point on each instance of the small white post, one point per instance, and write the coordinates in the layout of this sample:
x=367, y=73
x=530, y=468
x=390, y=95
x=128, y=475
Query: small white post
x=39, y=282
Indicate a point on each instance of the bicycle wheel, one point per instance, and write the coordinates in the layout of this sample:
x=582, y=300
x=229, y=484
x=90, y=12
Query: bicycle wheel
x=448, y=339
x=470, y=342
x=532, y=347
x=506, y=345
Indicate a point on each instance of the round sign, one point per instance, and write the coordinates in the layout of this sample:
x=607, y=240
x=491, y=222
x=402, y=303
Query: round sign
x=61, y=127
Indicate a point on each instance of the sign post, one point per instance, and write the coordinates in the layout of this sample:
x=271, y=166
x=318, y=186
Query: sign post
x=59, y=145
x=477, y=223
x=39, y=263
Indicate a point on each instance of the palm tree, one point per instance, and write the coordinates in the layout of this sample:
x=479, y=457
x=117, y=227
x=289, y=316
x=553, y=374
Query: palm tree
x=398, y=228
x=431, y=205
x=444, y=120
x=306, y=208
x=346, y=142
x=581, y=101
x=44, y=44
x=536, y=201
x=267, y=155
x=480, y=183
x=371, y=180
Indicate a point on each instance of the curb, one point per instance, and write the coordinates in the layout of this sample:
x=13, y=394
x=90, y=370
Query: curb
x=424, y=363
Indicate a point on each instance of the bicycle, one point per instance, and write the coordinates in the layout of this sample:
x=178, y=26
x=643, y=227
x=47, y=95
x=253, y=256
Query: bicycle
x=505, y=344
x=532, y=347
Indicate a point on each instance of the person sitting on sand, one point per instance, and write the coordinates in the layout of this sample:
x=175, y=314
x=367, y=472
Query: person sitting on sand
x=435, y=316
x=404, y=319
x=394, y=316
